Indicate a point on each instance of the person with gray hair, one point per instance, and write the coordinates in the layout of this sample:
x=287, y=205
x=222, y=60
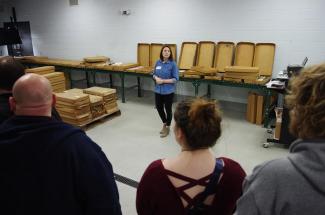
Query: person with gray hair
x=48, y=166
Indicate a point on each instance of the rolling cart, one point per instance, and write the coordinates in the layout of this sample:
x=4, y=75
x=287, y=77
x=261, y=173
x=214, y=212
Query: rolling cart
x=280, y=131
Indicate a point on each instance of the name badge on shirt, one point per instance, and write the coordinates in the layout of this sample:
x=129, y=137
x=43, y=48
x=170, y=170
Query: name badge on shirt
x=158, y=67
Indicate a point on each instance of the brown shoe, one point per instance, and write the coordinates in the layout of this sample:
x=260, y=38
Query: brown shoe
x=163, y=129
x=165, y=132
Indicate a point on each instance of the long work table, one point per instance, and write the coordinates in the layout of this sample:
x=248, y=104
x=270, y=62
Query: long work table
x=70, y=67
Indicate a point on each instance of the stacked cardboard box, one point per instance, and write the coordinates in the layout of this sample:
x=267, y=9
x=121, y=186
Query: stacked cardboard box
x=109, y=97
x=255, y=104
x=145, y=57
x=204, y=60
x=31, y=58
x=41, y=70
x=241, y=73
x=259, y=109
x=251, y=107
x=73, y=108
x=97, y=106
x=96, y=103
x=96, y=61
x=57, y=81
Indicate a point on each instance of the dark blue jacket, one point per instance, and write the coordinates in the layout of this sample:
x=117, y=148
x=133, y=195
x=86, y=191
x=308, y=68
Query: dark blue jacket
x=49, y=167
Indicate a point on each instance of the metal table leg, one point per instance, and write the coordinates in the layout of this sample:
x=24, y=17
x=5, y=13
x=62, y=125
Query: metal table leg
x=139, y=86
x=268, y=94
x=122, y=84
x=196, y=84
x=209, y=91
x=111, y=80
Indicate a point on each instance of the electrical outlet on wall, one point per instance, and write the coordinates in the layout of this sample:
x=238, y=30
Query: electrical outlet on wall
x=125, y=12
x=73, y=2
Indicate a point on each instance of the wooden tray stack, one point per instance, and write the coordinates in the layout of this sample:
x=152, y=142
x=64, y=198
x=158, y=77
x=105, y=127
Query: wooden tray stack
x=121, y=67
x=96, y=61
x=57, y=79
x=74, y=108
x=147, y=56
x=155, y=49
x=264, y=60
x=254, y=112
x=187, y=57
x=96, y=103
x=143, y=59
x=97, y=106
x=108, y=95
x=243, y=66
x=205, y=58
x=32, y=58
x=41, y=70
x=223, y=57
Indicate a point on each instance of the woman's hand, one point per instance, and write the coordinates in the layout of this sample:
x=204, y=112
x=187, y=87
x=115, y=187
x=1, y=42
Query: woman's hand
x=159, y=80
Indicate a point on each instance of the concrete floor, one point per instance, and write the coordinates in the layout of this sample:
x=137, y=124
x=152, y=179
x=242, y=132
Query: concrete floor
x=131, y=141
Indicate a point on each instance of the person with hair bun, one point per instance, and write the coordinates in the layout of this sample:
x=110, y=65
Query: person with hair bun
x=294, y=184
x=193, y=182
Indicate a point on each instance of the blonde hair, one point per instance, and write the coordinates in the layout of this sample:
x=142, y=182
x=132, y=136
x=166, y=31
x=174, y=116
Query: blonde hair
x=306, y=99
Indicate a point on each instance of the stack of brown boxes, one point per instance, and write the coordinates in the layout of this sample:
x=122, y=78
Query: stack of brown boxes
x=41, y=70
x=57, y=79
x=109, y=97
x=73, y=108
x=238, y=73
x=96, y=61
x=147, y=56
x=96, y=103
x=187, y=58
x=97, y=106
x=252, y=64
x=204, y=61
x=223, y=55
x=254, y=113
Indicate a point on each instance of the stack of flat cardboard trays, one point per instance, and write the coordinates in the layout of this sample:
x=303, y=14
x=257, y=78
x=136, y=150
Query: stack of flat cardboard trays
x=74, y=108
x=41, y=70
x=57, y=81
x=108, y=95
x=96, y=104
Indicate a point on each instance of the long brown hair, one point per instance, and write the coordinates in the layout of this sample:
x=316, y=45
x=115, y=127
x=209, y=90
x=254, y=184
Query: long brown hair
x=171, y=58
x=306, y=100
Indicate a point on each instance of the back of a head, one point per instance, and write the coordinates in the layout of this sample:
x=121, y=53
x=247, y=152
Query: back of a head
x=32, y=92
x=200, y=121
x=10, y=71
x=306, y=100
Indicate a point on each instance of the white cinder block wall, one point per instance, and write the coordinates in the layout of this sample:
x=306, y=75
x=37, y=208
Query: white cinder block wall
x=96, y=27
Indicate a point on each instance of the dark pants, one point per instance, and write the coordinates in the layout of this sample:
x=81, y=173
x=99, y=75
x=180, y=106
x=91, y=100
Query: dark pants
x=164, y=103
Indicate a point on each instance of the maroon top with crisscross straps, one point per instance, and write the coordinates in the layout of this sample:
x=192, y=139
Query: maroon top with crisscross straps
x=157, y=195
